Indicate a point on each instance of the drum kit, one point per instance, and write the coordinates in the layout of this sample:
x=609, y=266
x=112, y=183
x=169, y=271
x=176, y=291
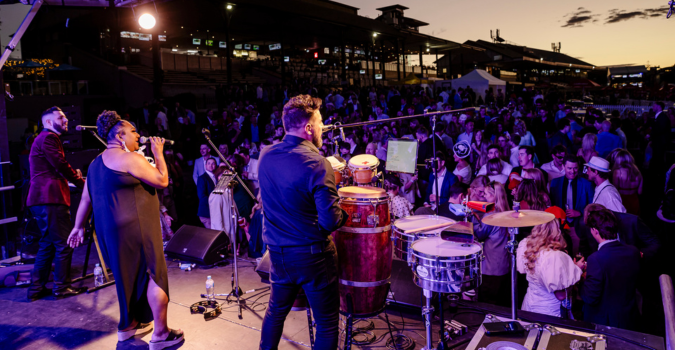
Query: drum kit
x=440, y=263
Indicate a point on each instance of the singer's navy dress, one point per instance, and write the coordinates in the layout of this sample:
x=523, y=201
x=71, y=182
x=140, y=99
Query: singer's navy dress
x=127, y=223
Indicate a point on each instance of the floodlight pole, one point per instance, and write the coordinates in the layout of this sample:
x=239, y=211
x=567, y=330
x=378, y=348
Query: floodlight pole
x=19, y=32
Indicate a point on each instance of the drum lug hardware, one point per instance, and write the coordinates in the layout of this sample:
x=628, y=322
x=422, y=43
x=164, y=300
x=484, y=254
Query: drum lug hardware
x=373, y=219
x=597, y=338
x=531, y=326
x=551, y=329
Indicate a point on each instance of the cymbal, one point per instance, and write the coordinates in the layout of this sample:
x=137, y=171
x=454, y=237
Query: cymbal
x=523, y=218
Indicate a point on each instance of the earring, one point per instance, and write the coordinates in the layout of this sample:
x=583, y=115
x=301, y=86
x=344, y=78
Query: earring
x=125, y=146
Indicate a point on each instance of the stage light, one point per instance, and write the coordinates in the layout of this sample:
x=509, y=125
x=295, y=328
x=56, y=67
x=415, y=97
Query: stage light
x=427, y=50
x=229, y=7
x=147, y=21
x=374, y=35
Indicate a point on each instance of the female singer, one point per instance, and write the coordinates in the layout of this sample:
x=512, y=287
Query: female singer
x=122, y=189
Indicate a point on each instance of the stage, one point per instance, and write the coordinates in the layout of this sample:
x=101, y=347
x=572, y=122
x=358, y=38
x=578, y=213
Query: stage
x=89, y=321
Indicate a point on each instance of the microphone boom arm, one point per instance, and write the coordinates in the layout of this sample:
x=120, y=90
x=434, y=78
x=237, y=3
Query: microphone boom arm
x=206, y=133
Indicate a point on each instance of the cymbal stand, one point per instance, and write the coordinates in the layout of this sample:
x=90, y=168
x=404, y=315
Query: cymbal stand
x=512, y=246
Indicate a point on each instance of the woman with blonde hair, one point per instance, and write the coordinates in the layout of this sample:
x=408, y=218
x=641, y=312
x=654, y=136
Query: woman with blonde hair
x=478, y=146
x=550, y=271
x=538, y=176
x=627, y=179
x=587, y=150
x=495, y=286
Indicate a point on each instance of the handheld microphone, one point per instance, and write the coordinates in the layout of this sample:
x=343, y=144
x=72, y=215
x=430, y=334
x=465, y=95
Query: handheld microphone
x=84, y=127
x=147, y=140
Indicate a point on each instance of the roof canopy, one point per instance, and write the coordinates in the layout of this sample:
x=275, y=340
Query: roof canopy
x=479, y=80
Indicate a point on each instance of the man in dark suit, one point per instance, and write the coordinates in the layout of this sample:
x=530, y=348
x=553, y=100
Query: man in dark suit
x=446, y=179
x=206, y=183
x=609, y=288
x=632, y=231
x=49, y=202
x=581, y=190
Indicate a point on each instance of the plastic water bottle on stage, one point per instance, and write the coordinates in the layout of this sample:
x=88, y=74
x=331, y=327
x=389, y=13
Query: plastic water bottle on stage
x=209, y=288
x=98, y=275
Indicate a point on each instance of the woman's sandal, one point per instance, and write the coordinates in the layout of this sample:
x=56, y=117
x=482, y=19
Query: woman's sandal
x=175, y=337
x=139, y=329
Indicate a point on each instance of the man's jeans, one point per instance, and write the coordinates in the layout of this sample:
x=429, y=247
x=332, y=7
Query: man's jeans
x=314, y=269
x=54, y=223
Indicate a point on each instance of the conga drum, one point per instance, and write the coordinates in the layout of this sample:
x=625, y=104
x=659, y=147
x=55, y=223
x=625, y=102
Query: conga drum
x=364, y=250
x=338, y=166
x=363, y=168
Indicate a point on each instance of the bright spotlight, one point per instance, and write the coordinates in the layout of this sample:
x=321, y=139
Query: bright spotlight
x=229, y=7
x=147, y=21
x=374, y=34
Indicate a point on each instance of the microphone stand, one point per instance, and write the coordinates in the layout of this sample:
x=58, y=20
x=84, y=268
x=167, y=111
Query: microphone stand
x=206, y=133
x=435, y=161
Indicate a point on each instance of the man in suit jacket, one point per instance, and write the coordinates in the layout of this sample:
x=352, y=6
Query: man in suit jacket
x=609, y=288
x=446, y=179
x=632, y=231
x=198, y=171
x=205, y=185
x=582, y=190
x=49, y=202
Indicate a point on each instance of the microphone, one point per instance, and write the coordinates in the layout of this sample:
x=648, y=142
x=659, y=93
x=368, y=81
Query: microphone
x=84, y=127
x=326, y=128
x=147, y=140
x=206, y=131
x=342, y=134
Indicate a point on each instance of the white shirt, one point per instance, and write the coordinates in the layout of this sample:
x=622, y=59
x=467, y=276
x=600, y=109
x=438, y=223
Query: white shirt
x=552, y=171
x=554, y=270
x=514, y=157
x=252, y=169
x=506, y=168
x=213, y=177
x=164, y=122
x=607, y=195
x=445, y=96
x=439, y=180
x=465, y=173
x=607, y=241
x=465, y=137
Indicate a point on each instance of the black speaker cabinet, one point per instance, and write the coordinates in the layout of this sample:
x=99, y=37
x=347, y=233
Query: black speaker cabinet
x=197, y=244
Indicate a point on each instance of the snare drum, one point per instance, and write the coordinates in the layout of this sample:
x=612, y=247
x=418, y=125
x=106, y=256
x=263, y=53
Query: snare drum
x=363, y=168
x=338, y=166
x=446, y=267
x=402, y=239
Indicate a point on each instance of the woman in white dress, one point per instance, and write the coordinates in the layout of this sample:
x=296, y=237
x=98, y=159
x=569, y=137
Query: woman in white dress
x=462, y=150
x=550, y=271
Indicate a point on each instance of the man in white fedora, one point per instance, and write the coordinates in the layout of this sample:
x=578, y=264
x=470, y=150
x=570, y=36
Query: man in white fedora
x=605, y=193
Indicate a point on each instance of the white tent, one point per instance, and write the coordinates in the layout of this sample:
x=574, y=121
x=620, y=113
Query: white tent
x=479, y=80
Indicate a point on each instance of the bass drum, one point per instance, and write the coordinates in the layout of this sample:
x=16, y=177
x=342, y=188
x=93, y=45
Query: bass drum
x=446, y=267
x=364, y=250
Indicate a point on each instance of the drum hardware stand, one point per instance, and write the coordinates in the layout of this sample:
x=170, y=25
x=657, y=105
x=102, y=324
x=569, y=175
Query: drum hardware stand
x=512, y=246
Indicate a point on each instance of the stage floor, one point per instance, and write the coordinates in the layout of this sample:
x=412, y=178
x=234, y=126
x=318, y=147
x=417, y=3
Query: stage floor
x=89, y=321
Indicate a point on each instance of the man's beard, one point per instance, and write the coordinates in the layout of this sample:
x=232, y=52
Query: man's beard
x=61, y=128
x=317, y=140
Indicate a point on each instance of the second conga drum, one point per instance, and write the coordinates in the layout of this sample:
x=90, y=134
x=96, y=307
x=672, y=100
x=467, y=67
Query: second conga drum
x=364, y=250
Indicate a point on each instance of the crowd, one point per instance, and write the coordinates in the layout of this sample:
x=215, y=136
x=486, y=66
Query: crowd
x=525, y=147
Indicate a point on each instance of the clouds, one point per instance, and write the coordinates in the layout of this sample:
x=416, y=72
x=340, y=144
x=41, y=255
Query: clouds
x=582, y=16
x=579, y=17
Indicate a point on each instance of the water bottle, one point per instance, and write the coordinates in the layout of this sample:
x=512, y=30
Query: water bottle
x=209, y=288
x=98, y=275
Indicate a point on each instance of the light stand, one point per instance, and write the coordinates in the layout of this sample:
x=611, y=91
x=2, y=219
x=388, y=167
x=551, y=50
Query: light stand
x=236, y=291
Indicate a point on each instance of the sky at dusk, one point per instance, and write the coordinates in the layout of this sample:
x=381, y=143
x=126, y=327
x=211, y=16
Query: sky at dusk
x=600, y=32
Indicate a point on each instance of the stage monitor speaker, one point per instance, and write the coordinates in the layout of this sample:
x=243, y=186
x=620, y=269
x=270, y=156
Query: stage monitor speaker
x=403, y=290
x=197, y=245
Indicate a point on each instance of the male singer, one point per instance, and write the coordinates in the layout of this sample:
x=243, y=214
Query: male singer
x=300, y=202
x=49, y=201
